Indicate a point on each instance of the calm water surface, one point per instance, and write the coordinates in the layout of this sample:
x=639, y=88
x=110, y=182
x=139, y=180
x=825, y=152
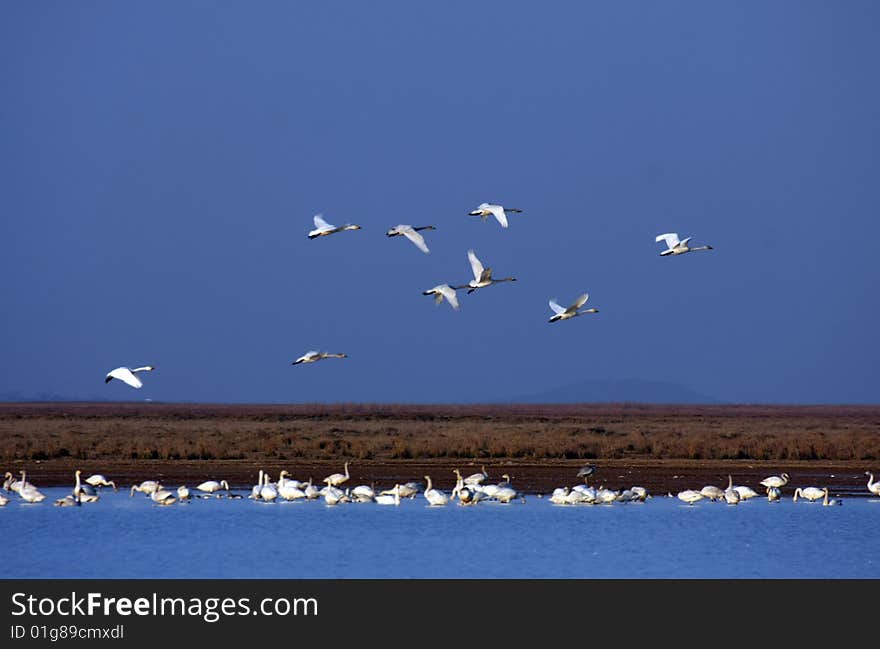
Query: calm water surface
x=123, y=537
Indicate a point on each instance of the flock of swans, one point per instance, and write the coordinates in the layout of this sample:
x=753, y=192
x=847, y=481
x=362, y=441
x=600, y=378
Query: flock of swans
x=468, y=491
x=482, y=276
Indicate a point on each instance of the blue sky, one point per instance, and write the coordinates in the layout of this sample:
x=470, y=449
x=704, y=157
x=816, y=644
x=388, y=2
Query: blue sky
x=162, y=163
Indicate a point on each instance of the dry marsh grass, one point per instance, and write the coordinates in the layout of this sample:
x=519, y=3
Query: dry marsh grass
x=392, y=432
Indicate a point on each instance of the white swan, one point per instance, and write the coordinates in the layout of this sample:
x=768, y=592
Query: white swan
x=311, y=491
x=562, y=313
x=322, y=228
x=775, y=480
x=810, y=493
x=640, y=493
x=476, y=478
x=745, y=493
x=774, y=494
x=731, y=495
x=409, y=489
x=3, y=500
x=443, y=291
x=11, y=484
x=313, y=356
x=363, y=493
x=146, y=487
x=183, y=493
x=162, y=496
x=674, y=246
x=29, y=492
x=690, y=496
x=255, y=490
x=68, y=501
x=334, y=496
x=392, y=498
x=127, y=375
x=85, y=493
x=434, y=496
x=873, y=487
x=712, y=492
x=290, y=490
x=210, y=486
x=336, y=479
x=412, y=234
x=268, y=492
x=485, y=210
x=833, y=501
x=98, y=480
x=482, y=276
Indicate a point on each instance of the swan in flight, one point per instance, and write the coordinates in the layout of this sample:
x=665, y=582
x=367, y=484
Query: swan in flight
x=322, y=228
x=482, y=276
x=336, y=479
x=486, y=210
x=313, y=356
x=98, y=480
x=833, y=501
x=412, y=234
x=434, y=496
x=776, y=480
x=562, y=313
x=873, y=487
x=674, y=246
x=443, y=291
x=127, y=375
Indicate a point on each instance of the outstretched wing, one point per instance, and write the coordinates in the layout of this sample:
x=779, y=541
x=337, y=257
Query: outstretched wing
x=476, y=266
x=449, y=293
x=558, y=310
x=124, y=374
x=671, y=239
x=321, y=224
x=582, y=300
x=415, y=237
x=684, y=242
x=498, y=211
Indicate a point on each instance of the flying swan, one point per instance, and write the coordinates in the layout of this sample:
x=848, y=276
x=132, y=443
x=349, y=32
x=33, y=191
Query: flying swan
x=561, y=313
x=674, y=246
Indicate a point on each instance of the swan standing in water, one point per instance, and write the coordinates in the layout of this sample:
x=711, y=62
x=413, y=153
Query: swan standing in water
x=314, y=356
x=810, y=493
x=434, y=496
x=775, y=480
x=255, y=490
x=563, y=313
x=322, y=228
x=127, y=375
x=873, y=487
x=731, y=495
x=774, y=494
x=162, y=496
x=443, y=291
x=690, y=496
x=834, y=501
x=482, y=276
x=183, y=493
x=29, y=492
x=336, y=479
x=712, y=492
x=485, y=210
x=3, y=500
x=392, y=498
x=212, y=486
x=268, y=492
x=85, y=493
x=412, y=234
x=98, y=480
x=146, y=487
x=674, y=246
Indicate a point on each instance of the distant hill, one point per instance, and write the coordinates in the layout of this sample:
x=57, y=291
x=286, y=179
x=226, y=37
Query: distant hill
x=615, y=391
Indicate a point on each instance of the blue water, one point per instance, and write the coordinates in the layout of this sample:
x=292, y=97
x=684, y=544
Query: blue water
x=123, y=537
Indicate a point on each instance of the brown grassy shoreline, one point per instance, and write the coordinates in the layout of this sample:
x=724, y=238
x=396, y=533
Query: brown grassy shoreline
x=662, y=447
